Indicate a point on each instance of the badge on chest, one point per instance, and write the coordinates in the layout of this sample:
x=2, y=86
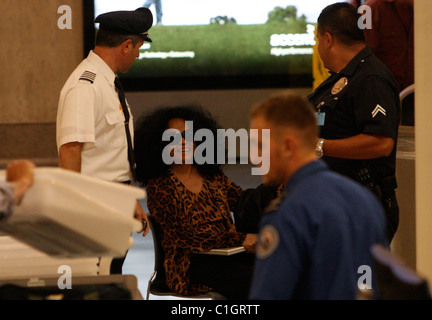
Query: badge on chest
x=339, y=85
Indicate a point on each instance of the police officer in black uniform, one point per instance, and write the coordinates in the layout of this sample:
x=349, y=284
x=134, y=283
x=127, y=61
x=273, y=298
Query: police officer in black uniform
x=358, y=108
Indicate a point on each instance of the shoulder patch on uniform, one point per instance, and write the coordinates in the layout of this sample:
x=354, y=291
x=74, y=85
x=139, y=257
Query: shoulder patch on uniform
x=88, y=76
x=378, y=109
x=268, y=241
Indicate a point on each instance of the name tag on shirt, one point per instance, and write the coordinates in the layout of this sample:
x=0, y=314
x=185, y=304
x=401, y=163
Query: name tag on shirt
x=320, y=118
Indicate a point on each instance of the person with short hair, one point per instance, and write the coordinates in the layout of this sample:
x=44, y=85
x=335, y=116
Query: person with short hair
x=357, y=109
x=94, y=121
x=315, y=236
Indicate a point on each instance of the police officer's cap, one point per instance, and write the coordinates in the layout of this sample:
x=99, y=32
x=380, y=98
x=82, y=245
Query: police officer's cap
x=136, y=22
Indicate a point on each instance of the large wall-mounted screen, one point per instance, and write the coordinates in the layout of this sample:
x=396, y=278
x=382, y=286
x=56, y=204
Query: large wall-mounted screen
x=208, y=44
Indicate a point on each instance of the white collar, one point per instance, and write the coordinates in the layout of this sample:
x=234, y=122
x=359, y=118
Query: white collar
x=102, y=66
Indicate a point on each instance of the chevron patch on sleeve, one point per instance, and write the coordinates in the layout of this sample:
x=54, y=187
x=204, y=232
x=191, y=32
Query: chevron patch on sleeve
x=88, y=76
x=378, y=109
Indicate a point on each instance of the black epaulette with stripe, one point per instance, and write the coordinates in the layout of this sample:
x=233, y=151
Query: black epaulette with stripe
x=88, y=76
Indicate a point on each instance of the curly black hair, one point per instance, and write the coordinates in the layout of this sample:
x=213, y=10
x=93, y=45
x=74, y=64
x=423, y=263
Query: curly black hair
x=148, y=143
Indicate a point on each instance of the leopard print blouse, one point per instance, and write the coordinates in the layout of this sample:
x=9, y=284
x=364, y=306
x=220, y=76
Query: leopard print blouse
x=192, y=222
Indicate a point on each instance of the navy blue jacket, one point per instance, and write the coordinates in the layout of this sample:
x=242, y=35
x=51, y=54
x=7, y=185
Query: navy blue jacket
x=316, y=243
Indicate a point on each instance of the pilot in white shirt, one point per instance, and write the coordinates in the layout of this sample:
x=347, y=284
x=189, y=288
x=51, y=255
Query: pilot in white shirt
x=91, y=135
x=91, y=121
x=90, y=112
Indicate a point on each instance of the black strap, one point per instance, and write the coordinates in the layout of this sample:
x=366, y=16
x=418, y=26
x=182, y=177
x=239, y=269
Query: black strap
x=122, y=98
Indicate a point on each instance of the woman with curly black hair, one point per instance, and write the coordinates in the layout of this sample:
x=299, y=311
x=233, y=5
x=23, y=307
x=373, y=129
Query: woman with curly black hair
x=192, y=204
x=149, y=145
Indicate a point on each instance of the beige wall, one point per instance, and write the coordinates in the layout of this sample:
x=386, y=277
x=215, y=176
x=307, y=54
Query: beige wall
x=423, y=134
x=37, y=58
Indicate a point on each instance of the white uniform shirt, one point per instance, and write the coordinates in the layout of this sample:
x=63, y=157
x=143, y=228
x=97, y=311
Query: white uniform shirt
x=90, y=112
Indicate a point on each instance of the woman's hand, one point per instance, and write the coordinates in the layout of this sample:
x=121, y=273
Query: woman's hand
x=142, y=216
x=250, y=242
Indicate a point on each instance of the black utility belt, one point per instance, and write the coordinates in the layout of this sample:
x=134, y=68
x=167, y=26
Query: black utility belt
x=385, y=187
x=388, y=183
x=382, y=186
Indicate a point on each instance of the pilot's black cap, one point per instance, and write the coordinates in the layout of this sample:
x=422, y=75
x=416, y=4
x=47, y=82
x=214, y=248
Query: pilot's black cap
x=136, y=22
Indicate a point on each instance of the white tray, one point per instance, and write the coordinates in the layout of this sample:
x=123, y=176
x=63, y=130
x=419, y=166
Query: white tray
x=67, y=214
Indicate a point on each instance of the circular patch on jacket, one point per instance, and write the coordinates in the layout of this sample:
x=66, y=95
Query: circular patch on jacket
x=268, y=241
